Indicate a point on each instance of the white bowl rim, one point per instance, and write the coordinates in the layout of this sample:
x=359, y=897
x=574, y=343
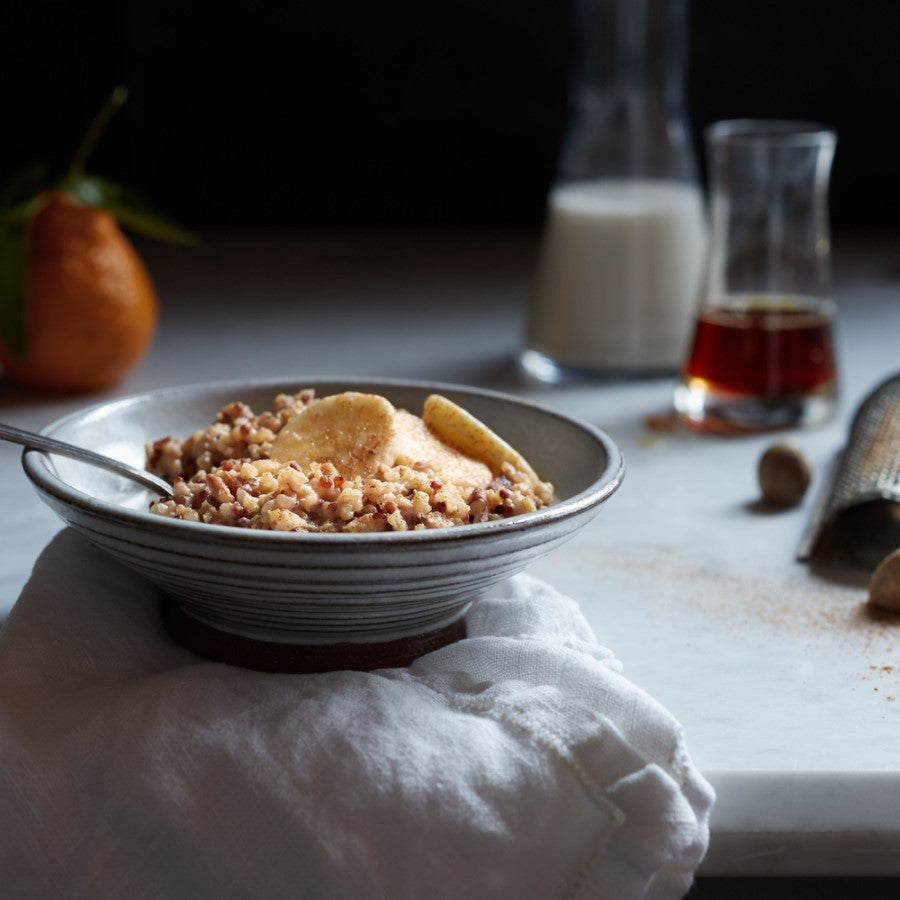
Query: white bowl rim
x=41, y=474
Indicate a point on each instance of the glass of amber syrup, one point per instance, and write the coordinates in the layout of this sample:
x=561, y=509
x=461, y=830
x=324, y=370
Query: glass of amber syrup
x=762, y=355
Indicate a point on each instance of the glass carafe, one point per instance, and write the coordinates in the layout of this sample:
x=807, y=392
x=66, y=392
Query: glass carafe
x=762, y=356
x=625, y=234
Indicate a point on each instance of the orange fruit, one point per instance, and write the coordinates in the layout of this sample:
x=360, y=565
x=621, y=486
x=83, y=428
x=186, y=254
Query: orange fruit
x=91, y=308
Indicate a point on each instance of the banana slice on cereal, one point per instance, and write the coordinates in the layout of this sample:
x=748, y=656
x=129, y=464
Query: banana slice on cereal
x=462, y=430
x=414, y=442
x=353, y=431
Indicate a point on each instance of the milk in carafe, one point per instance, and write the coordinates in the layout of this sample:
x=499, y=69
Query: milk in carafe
x=618, y=274
x=625, y=235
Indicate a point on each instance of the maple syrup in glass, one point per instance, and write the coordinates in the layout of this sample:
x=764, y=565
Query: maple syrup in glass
x=760, y=362
x=762, y=355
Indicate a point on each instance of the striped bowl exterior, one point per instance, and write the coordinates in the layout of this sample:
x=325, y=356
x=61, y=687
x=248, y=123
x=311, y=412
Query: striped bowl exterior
x=321, y=588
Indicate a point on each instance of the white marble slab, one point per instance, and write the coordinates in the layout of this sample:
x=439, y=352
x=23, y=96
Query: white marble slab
x=788, y=689
x=789, y=692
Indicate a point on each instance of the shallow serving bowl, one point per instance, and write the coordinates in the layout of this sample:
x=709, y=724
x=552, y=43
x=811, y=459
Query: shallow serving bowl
x=235, y=588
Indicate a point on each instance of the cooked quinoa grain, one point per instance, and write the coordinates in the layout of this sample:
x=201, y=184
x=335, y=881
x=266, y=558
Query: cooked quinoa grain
x=237, y=433
x=221, y=475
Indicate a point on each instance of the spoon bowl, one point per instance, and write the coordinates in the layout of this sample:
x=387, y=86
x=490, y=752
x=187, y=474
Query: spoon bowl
x=34, y=441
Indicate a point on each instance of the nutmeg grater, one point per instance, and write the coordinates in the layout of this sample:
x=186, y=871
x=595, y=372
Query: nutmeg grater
x=856, y=520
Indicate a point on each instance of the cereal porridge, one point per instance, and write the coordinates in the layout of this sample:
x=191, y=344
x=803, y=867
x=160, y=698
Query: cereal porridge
x=348, y=462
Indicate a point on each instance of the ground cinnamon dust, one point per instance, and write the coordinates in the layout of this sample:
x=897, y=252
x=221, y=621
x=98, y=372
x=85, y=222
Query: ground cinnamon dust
x=818, y=608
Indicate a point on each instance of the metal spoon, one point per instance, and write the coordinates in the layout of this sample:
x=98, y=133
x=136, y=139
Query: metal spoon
x=51, y=445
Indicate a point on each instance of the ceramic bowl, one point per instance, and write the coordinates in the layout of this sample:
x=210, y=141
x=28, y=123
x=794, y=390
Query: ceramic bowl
x=317, y=590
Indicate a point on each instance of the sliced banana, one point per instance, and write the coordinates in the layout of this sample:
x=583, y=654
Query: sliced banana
x=414, y=442
x=462, y=430
x=353, y=431
x=357, y=432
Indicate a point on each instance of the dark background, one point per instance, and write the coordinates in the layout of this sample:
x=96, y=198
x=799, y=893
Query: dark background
x=429, y=115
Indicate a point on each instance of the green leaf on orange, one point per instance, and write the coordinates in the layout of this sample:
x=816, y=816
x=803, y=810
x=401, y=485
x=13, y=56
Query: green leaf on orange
x=23, y=186
x=132, y=211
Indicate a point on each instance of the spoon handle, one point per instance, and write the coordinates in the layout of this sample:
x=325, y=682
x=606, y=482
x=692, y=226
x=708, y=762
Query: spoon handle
x=50, y=445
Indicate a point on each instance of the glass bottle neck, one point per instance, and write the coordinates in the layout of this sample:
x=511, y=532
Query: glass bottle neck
x=628, y=113
x=631, y=43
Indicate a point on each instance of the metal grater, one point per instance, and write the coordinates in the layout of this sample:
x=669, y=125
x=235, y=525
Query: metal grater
x=857, y=518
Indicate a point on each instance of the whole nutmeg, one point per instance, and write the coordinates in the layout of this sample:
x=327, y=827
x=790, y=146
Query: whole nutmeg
x=784, y=475
x=884, y=586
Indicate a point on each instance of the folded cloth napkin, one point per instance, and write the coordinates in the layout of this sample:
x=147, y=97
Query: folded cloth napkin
x=515, y=763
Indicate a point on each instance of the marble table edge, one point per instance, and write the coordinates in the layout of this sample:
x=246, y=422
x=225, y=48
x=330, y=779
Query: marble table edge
x=804, y=824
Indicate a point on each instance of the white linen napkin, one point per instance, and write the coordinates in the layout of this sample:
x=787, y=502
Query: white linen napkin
x=516, y=763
